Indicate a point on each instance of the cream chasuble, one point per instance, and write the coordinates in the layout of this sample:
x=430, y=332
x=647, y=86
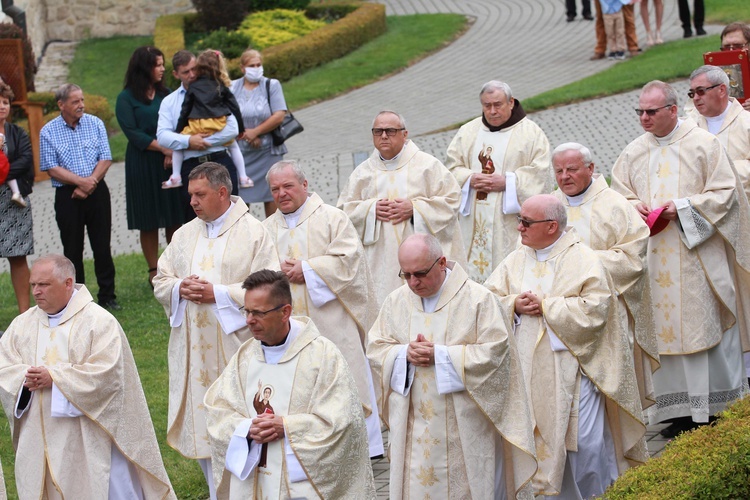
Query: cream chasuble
x=198, y=347
x=522, y=149
x=325, y=239
x=607, y=222
x=434, y=193
x=323, y=421
x=579, y=328
x=695, y=304
x=439, y=445
x=91, y=365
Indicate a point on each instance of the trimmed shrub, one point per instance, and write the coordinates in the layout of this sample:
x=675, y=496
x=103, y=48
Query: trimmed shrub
x=330, y=12
x=231, y=43
x=10, y=30
x=274, y=27
x=709, y=462
x=95, y=105
x=258, y=5
x=215, y=14
x=325, y=44
x=169, y=37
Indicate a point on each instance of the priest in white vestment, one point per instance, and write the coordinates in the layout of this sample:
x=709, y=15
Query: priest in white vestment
x=70, y=389
x=284, y=417
x=453, y=394
x=680, y=179
x=608, y=224
x=397, y=191
x=199, y=284
x=331, y=283
x=500, y=159
x=575, y=353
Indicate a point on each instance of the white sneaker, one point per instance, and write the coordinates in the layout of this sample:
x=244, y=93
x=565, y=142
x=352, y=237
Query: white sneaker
x=18, y=200
x=172, y=182
x=246, y=182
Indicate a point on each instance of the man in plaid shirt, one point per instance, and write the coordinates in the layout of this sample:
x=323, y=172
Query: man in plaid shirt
x=74, y=151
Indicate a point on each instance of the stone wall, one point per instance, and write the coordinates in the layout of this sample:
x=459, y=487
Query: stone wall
x=49, y=20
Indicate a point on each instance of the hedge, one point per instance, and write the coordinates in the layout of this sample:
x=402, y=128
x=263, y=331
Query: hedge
x=710, y=462
x=95, y=105
x=355, y=26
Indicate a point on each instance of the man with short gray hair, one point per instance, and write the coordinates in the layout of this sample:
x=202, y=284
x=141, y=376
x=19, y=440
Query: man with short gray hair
x=330, y=281
x=74, y=151
x=680, y=179
x=397, y=191
x=199, y=284
x=500, y=159
x=576, y=358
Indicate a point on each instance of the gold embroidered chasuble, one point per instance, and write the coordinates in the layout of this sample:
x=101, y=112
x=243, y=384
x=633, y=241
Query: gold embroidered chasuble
x=90, y=362
x=441, y=446
x=523, y=149
x=427, y=184
x=579, y=306
x=199, y=349
x=609, y=224
x=326, y=239
x=698, y=293
x=734, y=135
x=325, y=425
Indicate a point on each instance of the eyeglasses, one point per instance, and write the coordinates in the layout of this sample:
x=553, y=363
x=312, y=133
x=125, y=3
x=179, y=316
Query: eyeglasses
x=527, y=223
x=735, y=46
x=700, y=90
x=420, y=274
x=390, y=132
x=651, y=112
x=260, y=314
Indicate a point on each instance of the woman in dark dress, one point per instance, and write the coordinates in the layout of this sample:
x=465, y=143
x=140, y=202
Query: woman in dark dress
x=16, y=235
x=147, y=165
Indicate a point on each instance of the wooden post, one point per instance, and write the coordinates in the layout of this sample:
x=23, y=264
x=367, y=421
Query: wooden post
x=35, y=113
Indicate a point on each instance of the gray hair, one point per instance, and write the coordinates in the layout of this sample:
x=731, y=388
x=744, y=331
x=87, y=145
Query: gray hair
x=216, y=174
x=555, y=211
x=433, y=249
x=401, y=119
x=63, y=267
x=574, y=146
x=63, y=91
x=714, y=74
x=281, y=165
x=497, y=85
x=670, y=95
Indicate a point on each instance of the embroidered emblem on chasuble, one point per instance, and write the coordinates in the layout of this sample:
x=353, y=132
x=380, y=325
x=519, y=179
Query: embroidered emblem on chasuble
x=270, y=474
x=392, y=184
x=434, y=459
x=52, y=344
x=292, y=244
x=207, y=355
x=481, y=243
x=665, y=255
x=580, y=219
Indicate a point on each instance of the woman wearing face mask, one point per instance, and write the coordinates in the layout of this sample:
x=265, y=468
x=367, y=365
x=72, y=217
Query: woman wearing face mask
x=262, y=112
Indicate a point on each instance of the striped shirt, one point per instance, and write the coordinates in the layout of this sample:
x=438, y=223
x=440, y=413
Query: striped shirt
x=76, y=149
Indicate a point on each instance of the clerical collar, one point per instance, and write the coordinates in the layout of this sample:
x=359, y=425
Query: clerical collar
x=663, y=141
x=292, y=218
x=54, y=319
x=214, y=226
x=714, y=122
x=430, y=303
x=543, y=254
x=273, y=353
x=516, y=115
x=577, y=200
x=393, y=162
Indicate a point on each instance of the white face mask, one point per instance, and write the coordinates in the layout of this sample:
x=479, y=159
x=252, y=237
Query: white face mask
x=254, y=74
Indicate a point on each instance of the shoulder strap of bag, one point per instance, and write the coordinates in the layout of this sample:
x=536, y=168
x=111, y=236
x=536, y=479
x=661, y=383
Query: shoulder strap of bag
x=268, y=94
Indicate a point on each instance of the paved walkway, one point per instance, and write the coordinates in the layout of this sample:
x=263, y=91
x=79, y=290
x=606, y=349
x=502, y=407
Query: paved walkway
x=524, y=42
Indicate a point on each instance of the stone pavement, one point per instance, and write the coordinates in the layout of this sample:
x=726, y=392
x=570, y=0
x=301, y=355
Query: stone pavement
x=524, y=42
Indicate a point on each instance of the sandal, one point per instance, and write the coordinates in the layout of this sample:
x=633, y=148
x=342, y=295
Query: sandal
x=246, y=182
x=151, y=278
x=172, y=182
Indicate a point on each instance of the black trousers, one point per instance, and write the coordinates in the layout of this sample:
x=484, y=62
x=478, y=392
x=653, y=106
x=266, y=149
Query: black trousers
x=94, y=214
x=570, y=7
x=699, y=14
x=221, y=158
